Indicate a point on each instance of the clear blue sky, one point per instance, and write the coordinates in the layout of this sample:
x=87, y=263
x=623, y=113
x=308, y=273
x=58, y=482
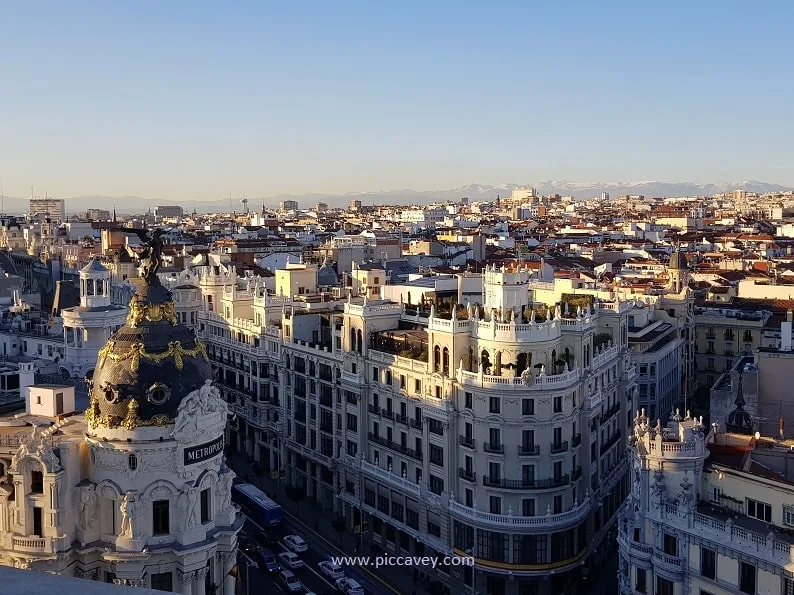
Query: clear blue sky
x=193, y=100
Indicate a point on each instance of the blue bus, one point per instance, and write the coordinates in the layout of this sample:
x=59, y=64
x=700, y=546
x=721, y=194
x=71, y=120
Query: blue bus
x=259, y=508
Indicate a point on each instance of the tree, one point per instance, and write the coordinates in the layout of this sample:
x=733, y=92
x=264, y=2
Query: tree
x=339, y=526
x=297, y=495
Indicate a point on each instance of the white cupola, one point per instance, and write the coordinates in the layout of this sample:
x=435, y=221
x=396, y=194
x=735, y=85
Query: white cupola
x=94, y=285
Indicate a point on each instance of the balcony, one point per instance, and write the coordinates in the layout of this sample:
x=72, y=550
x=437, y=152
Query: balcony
x=373, y=409
x=558, y=447
x=610, y=412
x=466, y=441
x=610, y=443
x=667, y=562
x=468, y=475
x=387, y=413
x=543, y=522
x=416, y=423
x=414, y=454
x=401, y=419
x=528, y=450
x=351, y=378
x=494, y=448
x=526, y=484
x=577, y=473
x=576, y=441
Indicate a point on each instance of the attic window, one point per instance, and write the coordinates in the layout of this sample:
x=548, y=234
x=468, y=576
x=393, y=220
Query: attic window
x=133, y=462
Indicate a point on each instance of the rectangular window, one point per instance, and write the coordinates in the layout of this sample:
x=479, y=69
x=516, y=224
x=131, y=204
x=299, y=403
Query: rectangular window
x=494, y=405
x=640, y=584
x=788, y=516
x=468, y=401
x=670, y=545
x=36, y=482
x=206, y=506
x=160, y=517
x=436, y=455
x=557, y=404
x=663, y=586
x=708, y=563
x=163, y=581
x=436, y=484
x=527, y=406
x=759, y=510
x=747, y=578
x=496, y=505
x=528, y=507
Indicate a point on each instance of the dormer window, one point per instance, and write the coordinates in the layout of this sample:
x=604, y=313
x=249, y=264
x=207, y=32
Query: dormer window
x=158, y=393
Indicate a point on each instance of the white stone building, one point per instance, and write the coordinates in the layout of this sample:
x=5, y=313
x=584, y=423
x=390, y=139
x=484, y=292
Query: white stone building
x=707, y=514
x=135, y=491
x=88, y=326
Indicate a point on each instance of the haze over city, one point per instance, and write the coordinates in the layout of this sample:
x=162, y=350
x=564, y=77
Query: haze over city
x=167, y=102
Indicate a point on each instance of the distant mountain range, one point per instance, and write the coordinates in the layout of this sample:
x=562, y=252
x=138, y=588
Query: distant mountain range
x=475, y=192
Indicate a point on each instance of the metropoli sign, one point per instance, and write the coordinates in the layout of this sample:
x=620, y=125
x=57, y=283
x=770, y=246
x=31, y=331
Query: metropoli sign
x=202, y=452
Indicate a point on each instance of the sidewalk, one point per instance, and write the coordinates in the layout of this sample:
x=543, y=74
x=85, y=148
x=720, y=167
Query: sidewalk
x=397, y=581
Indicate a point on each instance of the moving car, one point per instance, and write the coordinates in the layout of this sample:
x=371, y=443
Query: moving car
x=296, y=543
x=269, y=560
x=349, y=587
x=290, y=581
x=331, y=570
x=290, y=560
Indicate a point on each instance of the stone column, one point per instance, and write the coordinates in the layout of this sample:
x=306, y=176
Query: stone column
x=201, y=575
x=187, y=582
x=229, y=584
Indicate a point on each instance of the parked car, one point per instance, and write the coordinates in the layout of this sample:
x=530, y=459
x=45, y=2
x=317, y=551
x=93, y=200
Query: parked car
x=269, y=559
x=331, y=570
x=266, y=539
x=290, y=581
x=290, y=560
x=296, y=543
x=349, y=587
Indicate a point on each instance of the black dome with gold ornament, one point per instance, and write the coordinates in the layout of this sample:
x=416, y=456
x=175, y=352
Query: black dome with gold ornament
x=151, y=363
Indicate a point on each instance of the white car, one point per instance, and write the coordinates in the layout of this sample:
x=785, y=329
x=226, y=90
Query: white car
x=349, y=587
x=290, y=581
x=296, y=543
x=290, y=560
x=331, y=570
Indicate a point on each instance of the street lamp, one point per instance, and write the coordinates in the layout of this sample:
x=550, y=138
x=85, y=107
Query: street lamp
x=248, y=563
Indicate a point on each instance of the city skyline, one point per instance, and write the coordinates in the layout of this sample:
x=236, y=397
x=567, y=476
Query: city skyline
x=162, y=103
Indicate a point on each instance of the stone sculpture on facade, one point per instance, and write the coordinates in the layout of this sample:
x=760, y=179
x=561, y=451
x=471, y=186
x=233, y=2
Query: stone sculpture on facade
x=224, y=488
x=131, y=510
x=206, y=399
x=188, y=506
x=86, y=507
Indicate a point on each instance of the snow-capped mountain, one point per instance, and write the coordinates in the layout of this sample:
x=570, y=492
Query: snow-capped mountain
x=406, y=196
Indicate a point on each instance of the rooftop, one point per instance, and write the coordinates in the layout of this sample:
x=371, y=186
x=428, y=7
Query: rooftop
x=32, y=582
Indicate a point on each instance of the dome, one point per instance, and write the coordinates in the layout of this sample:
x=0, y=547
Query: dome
x=678, y=261
x=94, y=267
x=149, y=365
x=326, y=276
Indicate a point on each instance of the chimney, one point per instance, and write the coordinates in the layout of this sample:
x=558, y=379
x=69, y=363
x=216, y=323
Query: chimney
x=785, y=334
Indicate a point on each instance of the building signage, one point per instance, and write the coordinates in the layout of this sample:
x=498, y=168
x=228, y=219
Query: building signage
x=202, y=452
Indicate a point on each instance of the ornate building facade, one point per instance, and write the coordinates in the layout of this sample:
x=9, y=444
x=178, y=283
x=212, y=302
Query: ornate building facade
x=135, y=491
x=708, y=513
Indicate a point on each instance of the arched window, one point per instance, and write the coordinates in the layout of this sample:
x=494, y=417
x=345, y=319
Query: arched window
x=446, y=361
x=353, y=340
x=436, y=358
x=360, y=341
x=132, y=461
